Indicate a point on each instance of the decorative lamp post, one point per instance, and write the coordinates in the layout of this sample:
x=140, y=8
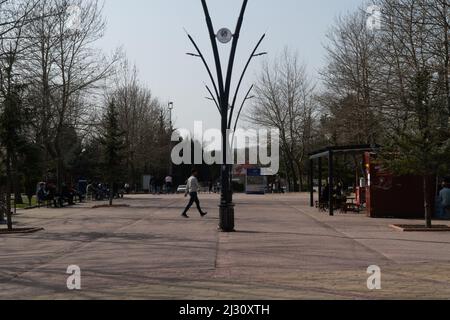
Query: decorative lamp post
x=170, y=107
x=220, y=94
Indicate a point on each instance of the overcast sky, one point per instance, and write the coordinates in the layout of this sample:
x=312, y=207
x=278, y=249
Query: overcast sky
x=152, y=34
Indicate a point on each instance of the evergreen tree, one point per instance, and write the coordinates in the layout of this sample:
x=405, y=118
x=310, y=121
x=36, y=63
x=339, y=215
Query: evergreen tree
x=422, y=147
x=11, y=130
x=113, y=142
x=30, y=166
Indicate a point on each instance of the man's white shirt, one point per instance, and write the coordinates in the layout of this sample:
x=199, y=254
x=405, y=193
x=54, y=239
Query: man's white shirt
x=192, y=185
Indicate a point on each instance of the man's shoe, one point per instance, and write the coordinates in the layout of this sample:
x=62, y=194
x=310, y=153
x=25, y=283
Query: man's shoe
x=185, y=216
x=203, y=214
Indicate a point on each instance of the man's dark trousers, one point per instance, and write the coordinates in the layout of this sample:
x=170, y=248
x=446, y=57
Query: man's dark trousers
x=194, y=199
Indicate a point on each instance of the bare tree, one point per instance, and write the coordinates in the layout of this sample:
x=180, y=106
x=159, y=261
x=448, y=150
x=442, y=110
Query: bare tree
x=392, y=85
x=15, y=15
x=67, y=69
x=350, y=80
x=145, y=123
x=285, y=100
x=414, y=55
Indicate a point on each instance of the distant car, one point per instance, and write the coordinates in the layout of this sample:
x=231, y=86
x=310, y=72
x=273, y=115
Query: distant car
x=182, y=189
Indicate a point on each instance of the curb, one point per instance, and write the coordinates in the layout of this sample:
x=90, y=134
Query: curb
x=112, y=207
x=21, y=231
x=415, y=228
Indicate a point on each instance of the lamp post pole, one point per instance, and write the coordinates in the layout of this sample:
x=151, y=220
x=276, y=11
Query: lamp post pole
x=221, y=95
x=170, y=107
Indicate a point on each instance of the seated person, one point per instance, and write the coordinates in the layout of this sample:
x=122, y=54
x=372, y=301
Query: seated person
x=51, y=193
x=67, y=194
x=78, y=194
x=325, y=197
x=41, y=193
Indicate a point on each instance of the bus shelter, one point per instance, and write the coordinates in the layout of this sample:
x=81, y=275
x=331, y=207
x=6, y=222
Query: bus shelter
x=329, y=154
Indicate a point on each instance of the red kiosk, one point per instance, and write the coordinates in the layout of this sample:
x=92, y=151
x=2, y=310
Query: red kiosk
x=382, y=193
x=391, y=196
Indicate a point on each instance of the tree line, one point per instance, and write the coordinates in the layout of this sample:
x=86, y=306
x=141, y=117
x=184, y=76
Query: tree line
x=63, y=100
x=56, y=92
x=385, y=86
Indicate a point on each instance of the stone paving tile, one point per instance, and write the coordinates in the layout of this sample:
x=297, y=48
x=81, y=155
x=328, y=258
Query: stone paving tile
x=282, y=250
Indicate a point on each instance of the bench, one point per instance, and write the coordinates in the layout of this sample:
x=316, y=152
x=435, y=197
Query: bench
x=350, y=206
x=322, y=206
x=59, y=201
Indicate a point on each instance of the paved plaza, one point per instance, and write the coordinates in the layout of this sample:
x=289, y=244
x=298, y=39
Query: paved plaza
x=283, y=249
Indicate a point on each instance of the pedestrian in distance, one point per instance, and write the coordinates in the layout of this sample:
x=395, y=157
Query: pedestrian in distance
x=192, y=189
x=169, y=184
x=444, y=198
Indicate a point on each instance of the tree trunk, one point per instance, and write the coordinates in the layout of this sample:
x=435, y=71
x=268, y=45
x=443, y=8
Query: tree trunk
x=294, y=176
x=17, y=193
x=59, y=173
x=288, y=176
x=428, y=211
x=2, y=213
x=8, y=191
x=15, y=180
x=111, y=194
x=300, y=175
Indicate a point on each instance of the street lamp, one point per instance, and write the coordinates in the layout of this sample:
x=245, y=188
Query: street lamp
x=170, y=107
x=221, y=94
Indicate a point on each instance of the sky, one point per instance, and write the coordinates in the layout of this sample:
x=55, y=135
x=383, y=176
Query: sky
x=152, y=34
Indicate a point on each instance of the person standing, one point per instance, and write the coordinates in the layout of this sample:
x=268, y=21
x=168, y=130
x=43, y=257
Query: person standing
x=152, y=185
x=169, y=184
x=192, y=189
x=444, y=198
x=211, y=186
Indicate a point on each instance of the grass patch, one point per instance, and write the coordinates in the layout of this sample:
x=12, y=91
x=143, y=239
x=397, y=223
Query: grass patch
x=25, y=204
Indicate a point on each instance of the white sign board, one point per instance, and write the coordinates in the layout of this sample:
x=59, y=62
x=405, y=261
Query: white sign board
x=146, y=182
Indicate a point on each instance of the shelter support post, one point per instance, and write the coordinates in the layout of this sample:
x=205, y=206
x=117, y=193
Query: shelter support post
x=331, y=181
x=311, y=182
x=320, y=180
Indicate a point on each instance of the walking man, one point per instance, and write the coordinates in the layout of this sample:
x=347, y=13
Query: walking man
x=192, y=189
